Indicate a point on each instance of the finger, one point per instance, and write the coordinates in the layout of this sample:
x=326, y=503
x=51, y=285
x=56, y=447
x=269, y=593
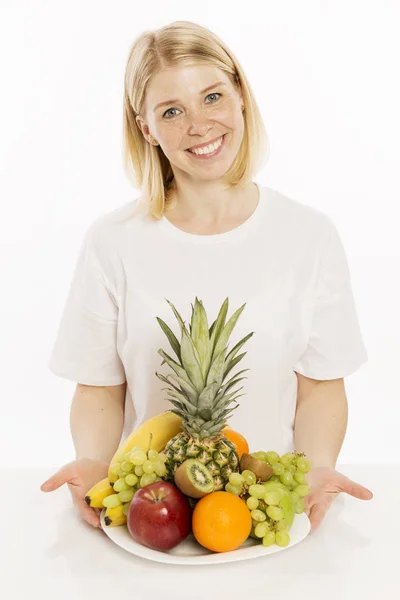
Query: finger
x=309, y=501
x=86, y=512
x=357, y=490
x=58, y=479
x=317, y=513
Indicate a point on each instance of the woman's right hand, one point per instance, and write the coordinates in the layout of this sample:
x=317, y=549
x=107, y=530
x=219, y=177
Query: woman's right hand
x=80, y=475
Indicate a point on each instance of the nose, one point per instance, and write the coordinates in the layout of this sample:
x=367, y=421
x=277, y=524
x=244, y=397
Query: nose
x=199, y=127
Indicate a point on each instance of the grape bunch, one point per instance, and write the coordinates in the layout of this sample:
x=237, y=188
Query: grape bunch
x=138, y=469
x=273, y=503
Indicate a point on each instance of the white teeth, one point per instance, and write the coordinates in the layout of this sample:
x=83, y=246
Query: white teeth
x=208, y=149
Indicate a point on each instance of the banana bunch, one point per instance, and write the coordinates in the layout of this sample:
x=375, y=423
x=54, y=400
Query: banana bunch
x=115, y=492
x=163, y=427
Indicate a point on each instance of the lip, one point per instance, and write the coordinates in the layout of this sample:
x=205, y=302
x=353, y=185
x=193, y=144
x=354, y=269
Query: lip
x=205, y=143
x=209, y=156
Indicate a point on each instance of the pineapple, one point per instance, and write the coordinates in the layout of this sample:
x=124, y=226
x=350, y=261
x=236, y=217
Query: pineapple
x=199, y=393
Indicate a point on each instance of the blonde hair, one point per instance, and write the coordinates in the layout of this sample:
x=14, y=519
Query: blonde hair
x=179, y=44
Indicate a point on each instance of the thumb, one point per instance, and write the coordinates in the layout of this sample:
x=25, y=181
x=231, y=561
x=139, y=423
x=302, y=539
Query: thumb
x=58, y=479
x=356, y=490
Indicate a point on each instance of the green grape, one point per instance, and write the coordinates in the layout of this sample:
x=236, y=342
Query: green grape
x=258, y=515
x=299, y=477
x=299, y=507
x=268, y=539
x=278, y=468
x=303, y=464
x=287, y=507
x=282, y=525
x=257, y=490
x=252, y=534
x=249, y=477
x=139, y=470
x=292, y=469
x=282, y=538
x=272, y=498
x=262, y=505
x=288, y=457
x=138, y=457
x=126, y=496
x=236, y=479
x=260, y=455
x=272, y=457
x=252, y=503
x=233, y=489
x=287, y=478
x=112, y=501
x=147, y=479
x=275, y=486
x=286, y=460
x=294, y=497
x=115, y=468
x=274, y=478
x=275, y=513
x=127, y=466
x=131, y=479
x=153, y=456
x=162, y=457
x=148, y=467
x=121, y=485
x=126, y=507
x=161, y=469
x=261, y=529
x=301, y=489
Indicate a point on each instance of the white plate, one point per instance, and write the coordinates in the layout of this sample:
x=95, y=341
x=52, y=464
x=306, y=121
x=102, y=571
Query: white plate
x=190, y=552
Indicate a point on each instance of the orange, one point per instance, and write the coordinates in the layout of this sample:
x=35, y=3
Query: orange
x=237, y=439
x=221, y=522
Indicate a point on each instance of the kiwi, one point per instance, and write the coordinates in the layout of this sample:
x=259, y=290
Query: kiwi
x=260, y=468
x=194, y=479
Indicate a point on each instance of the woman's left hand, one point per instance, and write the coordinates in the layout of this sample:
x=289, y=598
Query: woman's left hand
x=325, y=484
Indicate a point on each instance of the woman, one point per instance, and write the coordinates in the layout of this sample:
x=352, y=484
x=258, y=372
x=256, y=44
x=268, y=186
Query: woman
x=194, y=138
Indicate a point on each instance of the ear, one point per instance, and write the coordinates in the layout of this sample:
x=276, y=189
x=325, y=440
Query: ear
x=145, y=130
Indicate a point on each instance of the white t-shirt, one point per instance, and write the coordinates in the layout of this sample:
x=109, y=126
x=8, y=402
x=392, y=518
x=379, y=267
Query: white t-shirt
x=286, y=262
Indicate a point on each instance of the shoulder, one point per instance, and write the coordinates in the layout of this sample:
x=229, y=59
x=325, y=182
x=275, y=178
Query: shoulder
x=110, y=226
x=294, y=209
x=298, y=218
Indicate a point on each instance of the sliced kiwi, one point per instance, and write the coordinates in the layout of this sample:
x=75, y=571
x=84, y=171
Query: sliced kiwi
x=194, y=479
x=260, y=468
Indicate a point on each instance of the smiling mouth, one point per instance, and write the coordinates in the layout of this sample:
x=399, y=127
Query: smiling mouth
x=220, y=140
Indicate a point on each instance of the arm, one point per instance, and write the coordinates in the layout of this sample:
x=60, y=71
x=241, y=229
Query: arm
x=96, y=420
x=320, y=420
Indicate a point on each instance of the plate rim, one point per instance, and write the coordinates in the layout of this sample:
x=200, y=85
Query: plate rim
x=209, y=558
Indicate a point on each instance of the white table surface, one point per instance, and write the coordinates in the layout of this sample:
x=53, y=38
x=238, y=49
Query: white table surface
x=47, y=551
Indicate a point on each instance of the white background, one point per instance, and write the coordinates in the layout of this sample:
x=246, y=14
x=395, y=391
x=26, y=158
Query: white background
x=325, y=76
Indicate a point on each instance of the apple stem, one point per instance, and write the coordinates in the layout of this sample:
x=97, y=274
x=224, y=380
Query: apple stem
x=150, y=439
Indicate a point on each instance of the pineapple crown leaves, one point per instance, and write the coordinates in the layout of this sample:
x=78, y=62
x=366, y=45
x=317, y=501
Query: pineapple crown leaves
x=202, y=367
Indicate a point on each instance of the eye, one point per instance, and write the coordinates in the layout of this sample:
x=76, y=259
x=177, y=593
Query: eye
x=212, y=94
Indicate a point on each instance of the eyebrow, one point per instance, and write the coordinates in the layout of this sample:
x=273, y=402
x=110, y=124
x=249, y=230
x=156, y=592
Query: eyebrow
x=202, y=92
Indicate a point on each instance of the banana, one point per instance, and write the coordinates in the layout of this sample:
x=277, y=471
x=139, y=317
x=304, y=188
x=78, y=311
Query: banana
x=98, y=492
x=163, y=427
x=113, y=517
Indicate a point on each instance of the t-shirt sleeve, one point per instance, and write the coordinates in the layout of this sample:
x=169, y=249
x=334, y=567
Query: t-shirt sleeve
x=335, y=346
x=85, y=349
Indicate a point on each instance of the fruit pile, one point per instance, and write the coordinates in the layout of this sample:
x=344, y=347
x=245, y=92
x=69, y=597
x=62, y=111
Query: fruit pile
x=273, y=488
x=260, y=499
x=186, y=471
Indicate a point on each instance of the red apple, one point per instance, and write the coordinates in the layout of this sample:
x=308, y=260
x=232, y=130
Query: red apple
x=159, y=516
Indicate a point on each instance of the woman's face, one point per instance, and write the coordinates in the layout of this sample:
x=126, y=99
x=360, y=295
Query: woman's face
x=190, y=116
